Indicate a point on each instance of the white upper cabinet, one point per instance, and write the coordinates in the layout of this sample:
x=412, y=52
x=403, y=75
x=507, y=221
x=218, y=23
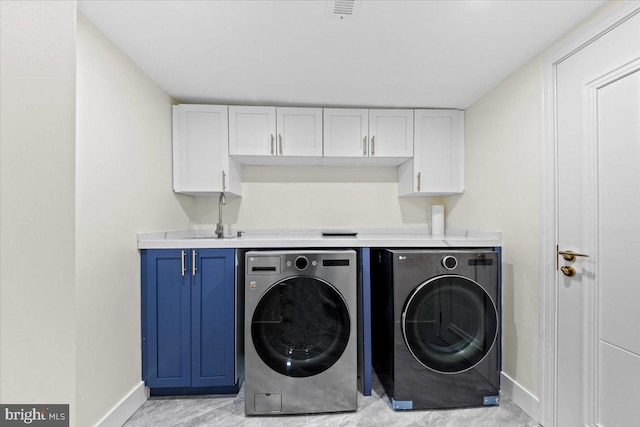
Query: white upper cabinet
x=368, y=133
x=252, y=131
x=299, y=131
x=201, y=163
x=210, y=142
x=271, y=131
x=346, y=132
x=391, y=133
x=437, y=167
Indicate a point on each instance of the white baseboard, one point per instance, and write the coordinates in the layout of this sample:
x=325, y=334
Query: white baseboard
x=520, y=396
x=129, y=404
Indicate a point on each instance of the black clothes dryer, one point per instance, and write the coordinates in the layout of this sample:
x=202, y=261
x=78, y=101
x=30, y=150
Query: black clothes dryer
x=436, y=326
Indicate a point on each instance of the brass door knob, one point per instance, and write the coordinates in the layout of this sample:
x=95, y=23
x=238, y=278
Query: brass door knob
x=570, y=255
x=568, y=270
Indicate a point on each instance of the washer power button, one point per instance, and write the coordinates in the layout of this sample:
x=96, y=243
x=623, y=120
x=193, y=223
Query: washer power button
x=301, y=262
x=449, y=262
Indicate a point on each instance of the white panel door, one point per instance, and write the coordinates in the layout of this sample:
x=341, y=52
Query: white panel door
x=618, y=299
x=598, y=318
x=390, y=133
x=199, y=147
x=299, y=131
x=346, y=132
x=252, y=131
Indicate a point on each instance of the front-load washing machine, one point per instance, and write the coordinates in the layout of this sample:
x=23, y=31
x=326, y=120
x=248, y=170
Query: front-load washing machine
x=300, y=332
x=436, y=327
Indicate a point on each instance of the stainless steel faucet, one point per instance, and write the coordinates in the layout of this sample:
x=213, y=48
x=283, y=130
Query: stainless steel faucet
x=219, y=228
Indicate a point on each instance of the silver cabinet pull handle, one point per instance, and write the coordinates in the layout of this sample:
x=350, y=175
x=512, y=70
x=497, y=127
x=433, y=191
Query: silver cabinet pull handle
x=193, y=263
x=373, y=145
x=272, y=145
x=224, y=181
x=183, y=267
x=418, y=181
x=364, y=146
x=280, y=139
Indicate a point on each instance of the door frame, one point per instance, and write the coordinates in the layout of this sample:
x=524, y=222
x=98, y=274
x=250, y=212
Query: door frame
x=549, y=201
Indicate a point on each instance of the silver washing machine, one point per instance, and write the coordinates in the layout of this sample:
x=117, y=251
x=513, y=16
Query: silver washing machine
x=436, y=327
x=300, y=332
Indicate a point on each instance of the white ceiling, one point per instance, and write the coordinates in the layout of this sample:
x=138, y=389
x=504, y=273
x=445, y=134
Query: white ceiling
x=388, y=53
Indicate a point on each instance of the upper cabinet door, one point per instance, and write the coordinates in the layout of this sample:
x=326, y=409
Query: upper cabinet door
x=252, y=131
x=200, y=150
x=390, y=133
x=438, y=165
x=299, y=132
x=346, y=132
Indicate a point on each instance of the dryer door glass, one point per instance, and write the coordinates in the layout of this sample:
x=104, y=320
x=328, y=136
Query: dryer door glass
x=300, y=326
x=449, y=324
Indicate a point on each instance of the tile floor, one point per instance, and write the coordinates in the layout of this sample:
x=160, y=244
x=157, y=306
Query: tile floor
x=373, y=410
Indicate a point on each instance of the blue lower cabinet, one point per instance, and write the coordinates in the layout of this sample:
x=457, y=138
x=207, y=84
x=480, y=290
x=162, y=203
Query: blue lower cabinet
x=212, y=319
x=188, y=321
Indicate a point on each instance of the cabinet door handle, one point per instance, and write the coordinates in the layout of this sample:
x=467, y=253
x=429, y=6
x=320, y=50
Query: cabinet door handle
x=373, y=145
x=364, y=146
x=280, y=140
x=272, y=153
x=183, y=267
x=419, y=181
x=224, y=181
x=193, y=263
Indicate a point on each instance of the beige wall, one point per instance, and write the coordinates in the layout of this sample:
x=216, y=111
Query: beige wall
x=37, y=227
x=123, y=186
x=316, y=197
x=502, y=174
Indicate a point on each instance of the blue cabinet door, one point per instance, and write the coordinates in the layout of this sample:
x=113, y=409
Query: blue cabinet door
x=188, y=318
x=167, y=321
x=213, y=318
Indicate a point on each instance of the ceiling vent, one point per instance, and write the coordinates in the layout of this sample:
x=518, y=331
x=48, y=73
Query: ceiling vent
x=342, y=8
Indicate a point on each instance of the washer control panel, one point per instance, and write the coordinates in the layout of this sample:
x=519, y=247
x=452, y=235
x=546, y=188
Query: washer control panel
x=296, y=262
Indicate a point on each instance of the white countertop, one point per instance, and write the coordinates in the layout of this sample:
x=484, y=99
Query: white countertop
x=404, y=238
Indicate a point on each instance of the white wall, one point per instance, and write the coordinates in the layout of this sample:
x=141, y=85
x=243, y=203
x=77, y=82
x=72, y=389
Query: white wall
x=316, y=197
x=123, y=171
x=37, y=227
x=502, y=174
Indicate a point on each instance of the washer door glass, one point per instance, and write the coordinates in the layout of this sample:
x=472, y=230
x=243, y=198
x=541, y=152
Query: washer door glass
x=300, y=326
x=449, y=324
